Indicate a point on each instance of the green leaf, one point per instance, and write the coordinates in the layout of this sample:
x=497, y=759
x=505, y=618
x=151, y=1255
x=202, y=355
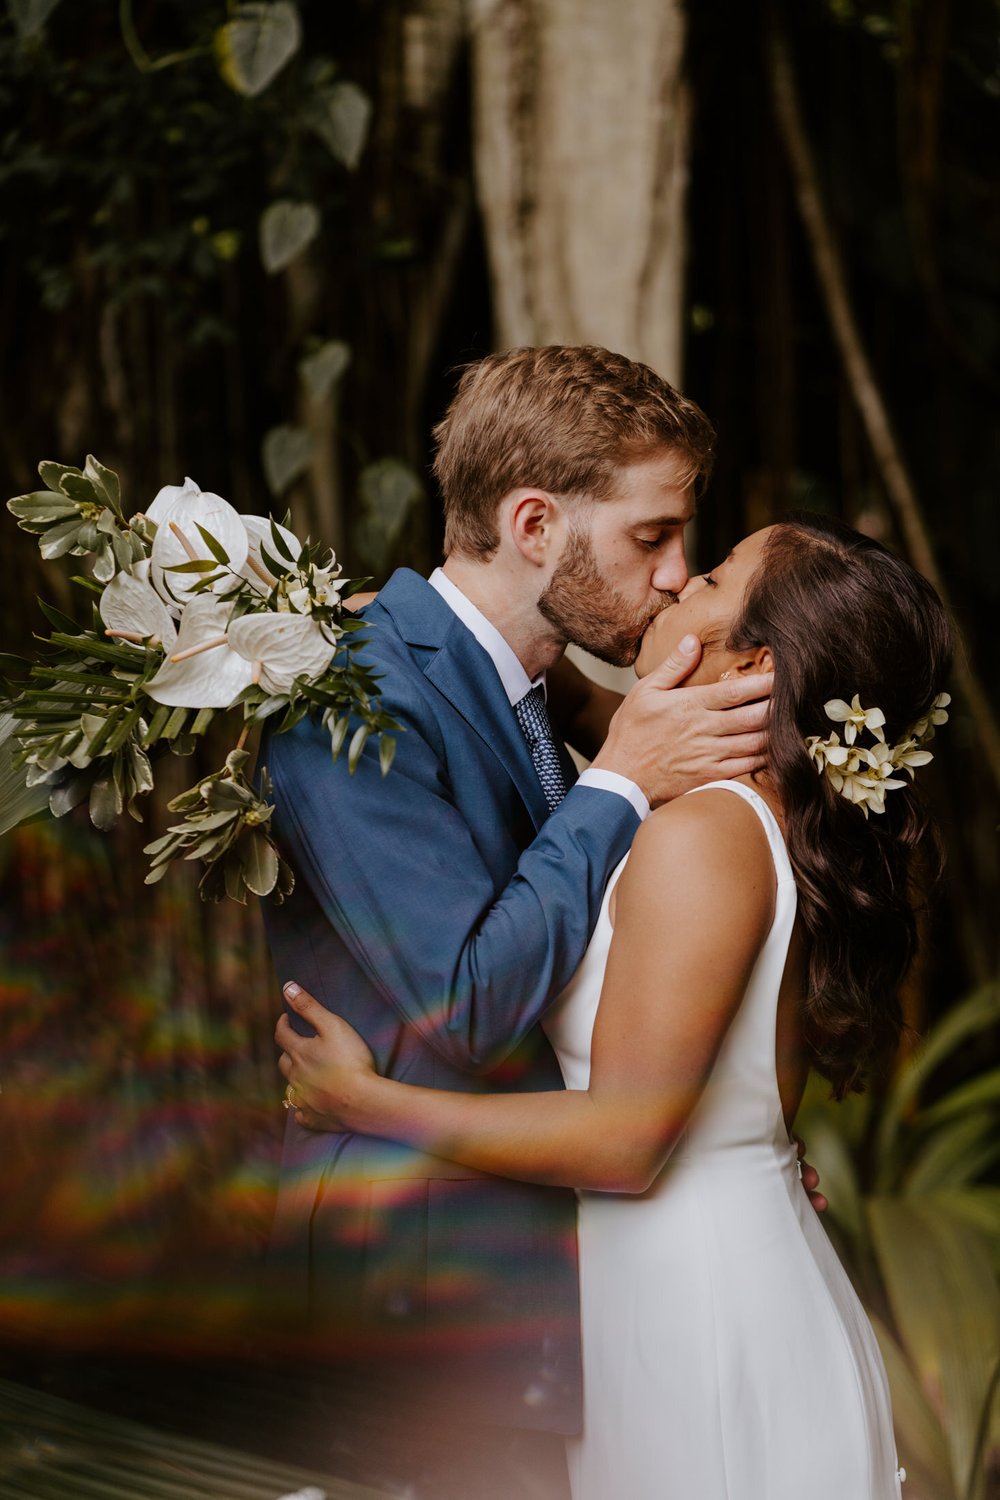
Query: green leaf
x=60, y=539
x=141, y=770
x=105, y=803
x=260, y=862
x=53, y=473
x=976, y=1013
x=286, y=453
x=386, y=753
x=42, y=506
x=976, y=1094
x=104, y=563
x=175, y=723
x=321, y=369
x=271, y=563
x=252, y=49
x=193, y=565
x=358, y=742
x=69, y=795
x=956, y=1153
x=214, y=546
x=338, y=735
x=202, y=719
x=978, y=1205
x=235, y=885
x=340, y=115
x=56, y=617
x=29, y=16
x=946, y=1305
x=79, y=488
x=281, y=547
x=105, y=482
x=286, y=228
x=918, y=1430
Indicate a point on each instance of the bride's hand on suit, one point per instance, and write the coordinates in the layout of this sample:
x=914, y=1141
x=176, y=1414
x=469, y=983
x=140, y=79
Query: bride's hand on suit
x=325, y=1073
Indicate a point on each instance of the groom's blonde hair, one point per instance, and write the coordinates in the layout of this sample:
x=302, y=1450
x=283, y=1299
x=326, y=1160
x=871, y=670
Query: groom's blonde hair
x=563, y=418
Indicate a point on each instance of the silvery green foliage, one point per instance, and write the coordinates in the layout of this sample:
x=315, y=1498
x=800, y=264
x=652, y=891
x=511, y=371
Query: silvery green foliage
x=256, y=44
x=197, y=611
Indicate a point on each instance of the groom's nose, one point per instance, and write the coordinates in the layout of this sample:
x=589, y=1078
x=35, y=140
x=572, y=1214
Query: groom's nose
x=670, y=574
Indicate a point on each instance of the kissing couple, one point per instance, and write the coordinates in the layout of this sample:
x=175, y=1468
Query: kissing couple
x=507, y=982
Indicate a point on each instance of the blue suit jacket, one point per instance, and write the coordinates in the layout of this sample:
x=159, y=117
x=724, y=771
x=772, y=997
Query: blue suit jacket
x=440, y=909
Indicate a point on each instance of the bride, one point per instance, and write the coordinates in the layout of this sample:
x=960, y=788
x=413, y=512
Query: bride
x=757, y=927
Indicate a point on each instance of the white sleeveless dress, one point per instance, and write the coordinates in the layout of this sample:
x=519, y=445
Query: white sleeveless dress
x=726, y=1356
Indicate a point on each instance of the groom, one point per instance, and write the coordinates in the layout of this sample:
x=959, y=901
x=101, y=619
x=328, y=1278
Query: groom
x=442, y=908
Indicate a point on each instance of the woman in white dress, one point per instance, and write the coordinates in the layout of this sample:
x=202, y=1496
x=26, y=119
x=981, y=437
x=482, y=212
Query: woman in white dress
x=757, y=926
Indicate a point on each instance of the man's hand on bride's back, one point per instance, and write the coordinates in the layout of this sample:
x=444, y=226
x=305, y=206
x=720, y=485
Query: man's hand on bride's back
x=668, y=738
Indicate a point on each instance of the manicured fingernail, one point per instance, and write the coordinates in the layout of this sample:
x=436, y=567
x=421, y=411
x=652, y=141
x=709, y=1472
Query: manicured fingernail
x=292, y=989
x=689, y=645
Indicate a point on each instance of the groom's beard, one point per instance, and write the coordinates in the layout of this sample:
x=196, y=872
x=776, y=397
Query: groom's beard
x=589, y=612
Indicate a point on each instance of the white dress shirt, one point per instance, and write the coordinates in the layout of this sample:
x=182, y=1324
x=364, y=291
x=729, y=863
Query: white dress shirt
x=516, y=681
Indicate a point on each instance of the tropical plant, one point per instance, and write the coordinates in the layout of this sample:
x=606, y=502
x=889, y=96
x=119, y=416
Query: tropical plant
x=918, y=1224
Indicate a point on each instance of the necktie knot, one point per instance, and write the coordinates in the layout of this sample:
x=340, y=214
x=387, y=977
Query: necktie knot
x=533, y=717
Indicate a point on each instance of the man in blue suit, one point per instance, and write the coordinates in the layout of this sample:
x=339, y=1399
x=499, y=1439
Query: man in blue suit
x=442, y=909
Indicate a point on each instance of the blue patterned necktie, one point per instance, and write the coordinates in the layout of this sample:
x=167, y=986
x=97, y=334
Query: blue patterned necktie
x=533, y=717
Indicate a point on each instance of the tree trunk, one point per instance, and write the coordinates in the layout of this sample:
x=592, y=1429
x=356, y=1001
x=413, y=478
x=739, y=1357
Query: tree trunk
x=581, y=147
x=581, y=128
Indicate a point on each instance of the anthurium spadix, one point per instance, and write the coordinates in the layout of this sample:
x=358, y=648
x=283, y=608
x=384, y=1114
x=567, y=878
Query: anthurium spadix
x=133, y=611
x=281, y=647
x=183, y=515
x=255, y=570
x=202, y=671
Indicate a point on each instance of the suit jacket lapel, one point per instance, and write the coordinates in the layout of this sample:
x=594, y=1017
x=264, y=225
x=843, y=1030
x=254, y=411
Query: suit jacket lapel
x=462, y=671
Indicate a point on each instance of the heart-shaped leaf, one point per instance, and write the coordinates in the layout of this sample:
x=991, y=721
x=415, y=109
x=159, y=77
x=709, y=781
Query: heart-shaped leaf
x=255, y=45
x=324, y=367
x=286, y=228
x=389, y=490
x=340, y=116
x=286, y=452
x=29, y=16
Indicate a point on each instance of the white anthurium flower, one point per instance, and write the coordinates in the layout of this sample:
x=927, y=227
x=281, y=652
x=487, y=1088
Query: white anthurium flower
x=178, y=511
x=255, y=570
x=133, y=611
x=203, y=671
x=855, y=718
x=280, y=647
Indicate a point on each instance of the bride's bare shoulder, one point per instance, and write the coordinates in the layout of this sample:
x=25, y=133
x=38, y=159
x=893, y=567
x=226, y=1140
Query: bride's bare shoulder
x=710, y=842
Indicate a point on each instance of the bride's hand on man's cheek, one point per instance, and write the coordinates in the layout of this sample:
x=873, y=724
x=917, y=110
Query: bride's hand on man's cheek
x=322, y=1072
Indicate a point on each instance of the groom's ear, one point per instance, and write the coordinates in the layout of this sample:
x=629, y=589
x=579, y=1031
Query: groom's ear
x=760, y=660
x=535, y=521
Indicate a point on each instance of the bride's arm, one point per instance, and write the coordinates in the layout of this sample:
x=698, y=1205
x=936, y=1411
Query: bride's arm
x=694, y=905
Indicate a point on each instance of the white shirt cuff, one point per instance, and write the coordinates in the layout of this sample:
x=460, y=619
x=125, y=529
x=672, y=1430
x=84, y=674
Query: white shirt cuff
x=610, y=781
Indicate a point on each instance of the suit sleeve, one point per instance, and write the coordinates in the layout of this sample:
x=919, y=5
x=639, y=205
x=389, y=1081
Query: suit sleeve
x=394, y=867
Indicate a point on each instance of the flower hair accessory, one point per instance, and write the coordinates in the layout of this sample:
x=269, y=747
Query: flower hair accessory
x=863, y=774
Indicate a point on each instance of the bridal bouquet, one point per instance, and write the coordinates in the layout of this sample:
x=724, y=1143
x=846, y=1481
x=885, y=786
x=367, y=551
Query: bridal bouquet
x=197, y=611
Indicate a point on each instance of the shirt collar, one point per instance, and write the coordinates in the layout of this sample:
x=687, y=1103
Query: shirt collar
x=515, y=679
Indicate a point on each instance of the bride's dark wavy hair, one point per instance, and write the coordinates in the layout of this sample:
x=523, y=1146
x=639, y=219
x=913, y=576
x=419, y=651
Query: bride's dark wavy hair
x=844, y=615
